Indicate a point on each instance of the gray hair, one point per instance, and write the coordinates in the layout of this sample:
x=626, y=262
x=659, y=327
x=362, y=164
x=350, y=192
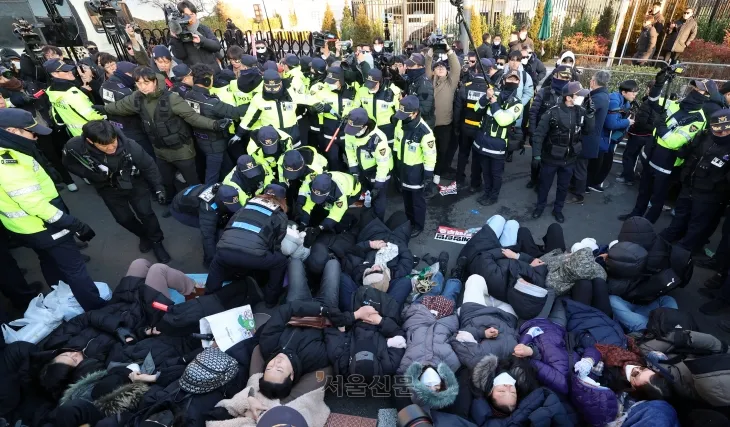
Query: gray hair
x=601, y=78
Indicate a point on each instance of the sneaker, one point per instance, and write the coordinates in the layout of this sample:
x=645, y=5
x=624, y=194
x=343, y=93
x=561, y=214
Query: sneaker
x=715, y=282
x=416, y=231
x=537, y=213
x=459, y=269
x=559, y=217
x=72, y=188
x=145, y=245
x=443, y=262
x=595, y=188
x=575, y=199
x=486, y=201
x=160, y=253
x=605, y=185
x=715, y=307
x=622, y=180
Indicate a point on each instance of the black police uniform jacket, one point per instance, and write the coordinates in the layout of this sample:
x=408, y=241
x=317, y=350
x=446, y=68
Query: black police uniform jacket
x=706, y=173
x=557, y=138
x=113, y=90
x=207, y=105
x=255, y=229
x=467, y=96
x=129, y=163
x=209, y=215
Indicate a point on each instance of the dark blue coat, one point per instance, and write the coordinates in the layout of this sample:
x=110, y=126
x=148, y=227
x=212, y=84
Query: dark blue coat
x=583, y=319
x=617, y=122
x=652, y=413
x=542, y=407
x=593, y=141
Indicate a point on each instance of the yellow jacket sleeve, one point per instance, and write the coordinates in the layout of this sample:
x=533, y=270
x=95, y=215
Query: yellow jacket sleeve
x=22, y=186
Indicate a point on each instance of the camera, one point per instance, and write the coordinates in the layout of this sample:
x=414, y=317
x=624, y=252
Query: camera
x=319, y=39
x=180, y=24
x=33, y=42
x=388, y=46
x=346, y=47
x=413, y=415
x=107, y=10
x=437, y=42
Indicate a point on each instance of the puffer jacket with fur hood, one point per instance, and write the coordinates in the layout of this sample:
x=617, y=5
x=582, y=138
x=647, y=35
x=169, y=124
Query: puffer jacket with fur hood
x=121, y=399
x=428, y=338
x=565, y=269
x=424, y=396
x=311, y=405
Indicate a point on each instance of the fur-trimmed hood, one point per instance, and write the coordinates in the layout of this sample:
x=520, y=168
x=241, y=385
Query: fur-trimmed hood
x=484, y=372
x=521, y=370
x=425, y=396
x=124, y=398
x=82, y=388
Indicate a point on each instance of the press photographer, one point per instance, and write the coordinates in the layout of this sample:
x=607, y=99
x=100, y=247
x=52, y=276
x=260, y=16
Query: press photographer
x=192, y=42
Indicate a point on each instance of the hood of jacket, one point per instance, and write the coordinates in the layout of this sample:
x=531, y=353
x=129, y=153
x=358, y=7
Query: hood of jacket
x=123, y=399
x=424, y=396
x=567, y=54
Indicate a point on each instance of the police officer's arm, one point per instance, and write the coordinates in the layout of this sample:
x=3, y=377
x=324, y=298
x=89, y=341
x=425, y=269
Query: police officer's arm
x=24, y=189
x=383, y=156
x=534, y=110
x=428, y=146
x=185, y=111
x=222, y=110
x=147, y=167
x=208, y=220
x=538, y=137
x=252, y=115
x=335, y=214
x=123, y=107
x=82, y=105
x=351, y=153
x=528, y=89
x=505, y=117
x=304, y=204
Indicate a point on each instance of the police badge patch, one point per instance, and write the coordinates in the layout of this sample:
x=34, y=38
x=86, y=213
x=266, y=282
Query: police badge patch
x=382, y=151
x=517, y=109
x=693, y=128
x=339, y=204
x=430, y=144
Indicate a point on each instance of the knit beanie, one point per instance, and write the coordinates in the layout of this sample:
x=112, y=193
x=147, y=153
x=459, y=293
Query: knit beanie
x=378, y=277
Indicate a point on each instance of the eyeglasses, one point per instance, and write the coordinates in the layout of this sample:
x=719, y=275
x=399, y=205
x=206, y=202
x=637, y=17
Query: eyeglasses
x=472, y=62
x=526, y=57
x=129, y=48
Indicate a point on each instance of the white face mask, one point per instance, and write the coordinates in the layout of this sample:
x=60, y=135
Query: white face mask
x=16, y=64
x=578, y=100
x=260, y=49
x=333, y=86
x=430, y=377
x=524, y=61
x=362, y=132
x=500, y=67
x=378, y=48
x=503, y=379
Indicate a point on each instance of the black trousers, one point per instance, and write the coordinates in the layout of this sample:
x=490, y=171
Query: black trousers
x=535, y=173
x=379, y=203
x=547, y=175
x=654, y=187
x=132, y=209
x=600, y=167
x=168, y=169
x=228, y=263
x=553, y=239
x=415, y=207
x=443, y=138
x=492, y=171
x=51, y=146
x=466, y=142
x=723, y=249
x=12, y=283
x=334, y=155
x=631, y=154
x=691, y=224
x=594, y=293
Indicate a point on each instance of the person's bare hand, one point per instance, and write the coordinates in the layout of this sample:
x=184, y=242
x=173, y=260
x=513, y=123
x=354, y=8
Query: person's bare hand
x=522, y=350
x=196, y=39
x=430, y=53
x=377, y=244
x=136, y=377
x=604, y=256
x=509, y=253
x=536, y=262
x=373, y=319
x=363, y=312
x=631, y=121
x=491, y=333
x=326, y=49
x=338, y=45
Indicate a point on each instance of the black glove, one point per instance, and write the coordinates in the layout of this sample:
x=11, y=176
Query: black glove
x=661, y=77
x=339, y=318
x=320, y=107
x=223, y=124
x=82, y=230
x=311, y=236
x=124, y=334
x=99, y=109
x=536, y=162
x=161, y=199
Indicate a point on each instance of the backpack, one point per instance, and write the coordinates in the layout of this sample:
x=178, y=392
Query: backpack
x=210, y=370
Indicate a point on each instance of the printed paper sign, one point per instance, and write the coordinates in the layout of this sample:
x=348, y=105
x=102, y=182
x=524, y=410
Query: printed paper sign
x=447, y=189
x=456, y=235
x=229, y=327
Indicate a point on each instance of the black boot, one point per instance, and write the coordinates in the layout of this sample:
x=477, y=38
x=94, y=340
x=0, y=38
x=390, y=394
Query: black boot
x=443, y=261
x=508, y=157
x=160, y=253
x=715, y=282
x=145, y=245
x=458, y=271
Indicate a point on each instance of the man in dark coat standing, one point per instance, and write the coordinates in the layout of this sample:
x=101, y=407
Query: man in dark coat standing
x=204, y=47
x=599, y=95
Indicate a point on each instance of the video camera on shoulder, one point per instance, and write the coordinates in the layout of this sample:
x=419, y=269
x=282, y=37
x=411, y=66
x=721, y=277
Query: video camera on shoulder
x=437, y=42
x=107, y=10
x=25, y=31
x=180, y=24
x=319, y=39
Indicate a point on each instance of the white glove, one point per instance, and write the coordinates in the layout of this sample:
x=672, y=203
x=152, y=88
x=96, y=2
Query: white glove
x=104, y=169
x=583, y=367
x=397, y=342
x=464, y=336
x=535, y=331
x=589, y=380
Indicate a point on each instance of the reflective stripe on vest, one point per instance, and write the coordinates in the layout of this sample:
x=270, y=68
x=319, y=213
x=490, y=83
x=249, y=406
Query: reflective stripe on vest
x=258, y=208
x=486, y=150
x=246, y=226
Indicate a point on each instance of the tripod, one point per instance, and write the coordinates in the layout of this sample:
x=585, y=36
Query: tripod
x=459, y=4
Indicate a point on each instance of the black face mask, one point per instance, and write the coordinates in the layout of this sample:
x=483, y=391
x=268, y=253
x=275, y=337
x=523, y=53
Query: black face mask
x=721, y=140
x=510, y=87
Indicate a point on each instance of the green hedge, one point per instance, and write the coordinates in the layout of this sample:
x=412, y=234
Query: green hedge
x=643, y=76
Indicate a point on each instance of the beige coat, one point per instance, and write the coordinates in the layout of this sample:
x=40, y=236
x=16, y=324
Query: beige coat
x=444, y=89
x=687, y=33
x=248, y=408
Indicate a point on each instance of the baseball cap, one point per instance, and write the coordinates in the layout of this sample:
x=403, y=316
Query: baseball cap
x=375, y=76
x=275, y=190
x=227, y=198
x=725, y=88
x=271, y=77
x=700, y=84
x=268, y=138
x=282, y=416
x=512, y=73
x=334, y=75
x=293, y=165
x=248, y=167
x=249, y=60
x=415, y=59
x=318, y=65
x=17, y=118
x=321, y=187
x=271, y=65
x=720, y=120
x=55, y=65
x=408, y=105
x=125, y=67
x=291, y=60
x=356, y=120
x=488, y=63
x=564, y=72
x=181, y=70
x=574, y=89
x=161, y=51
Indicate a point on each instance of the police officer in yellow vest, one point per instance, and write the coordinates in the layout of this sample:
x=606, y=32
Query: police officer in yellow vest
x=332, y=192
x=222, y=87
x=275, y=106
x=332, y=102
x=297, y=168
x=490, y=145
x=660, y=156
x=70, y=105
x=293, y=72
x=248, y=85
x=369, y=157
x=32, y=211
x=380, y=99
x=249, y=177
x=415, y=153
x=267, y=145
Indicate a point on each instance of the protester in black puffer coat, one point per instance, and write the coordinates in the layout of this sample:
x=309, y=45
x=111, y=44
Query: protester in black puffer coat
x=21, y=398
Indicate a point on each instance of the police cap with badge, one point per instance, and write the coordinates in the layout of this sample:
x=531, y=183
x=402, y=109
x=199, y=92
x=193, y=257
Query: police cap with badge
x=321, y=188
x=408, y=106
x=293, y=165
x=268, y=139
x=247, y=166
x=720, y=121
x=356, y=120
x=21, y=119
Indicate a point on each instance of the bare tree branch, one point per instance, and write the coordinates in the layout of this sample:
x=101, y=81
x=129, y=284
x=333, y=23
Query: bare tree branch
x=204, y=6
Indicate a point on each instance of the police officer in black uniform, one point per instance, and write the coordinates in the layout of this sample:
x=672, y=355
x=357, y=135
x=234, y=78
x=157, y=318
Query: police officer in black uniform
x=118, y=86
x=183, y=80
x=557, y=143
x=207, y=207
x=705, y=184
x=467, y=120
x=252, y=242
x=122, y=173
x=212, y=143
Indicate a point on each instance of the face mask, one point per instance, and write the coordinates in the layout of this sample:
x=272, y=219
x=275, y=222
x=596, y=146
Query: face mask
x=524, y=61
x=409, y=51
x=557, y=85
x=628, y=370
x=333, y=86
x=362, y=132
x=16, y=64
x=497, y=44
x=510, y=87
x=373, y=91
x=378, y=48
x=503, y=379
x=721, y=140
x=500, y=66
x=430, y=377
x=578, y=100
x=260, y=49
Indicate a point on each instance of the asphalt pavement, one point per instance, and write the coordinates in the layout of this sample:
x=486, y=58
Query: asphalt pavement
x=113, y=248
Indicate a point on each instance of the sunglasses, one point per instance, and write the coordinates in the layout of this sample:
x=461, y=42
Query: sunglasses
x=472, y=62
x=526, y=57
x=129, y=48
x=235, y=61
x=687, y=13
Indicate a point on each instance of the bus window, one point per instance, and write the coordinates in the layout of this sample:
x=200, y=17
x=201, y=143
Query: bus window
x=124, y=16
x=40, y=10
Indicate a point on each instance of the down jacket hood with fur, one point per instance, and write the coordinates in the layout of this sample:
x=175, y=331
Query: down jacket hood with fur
x=124, y=398
x=423, y=396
